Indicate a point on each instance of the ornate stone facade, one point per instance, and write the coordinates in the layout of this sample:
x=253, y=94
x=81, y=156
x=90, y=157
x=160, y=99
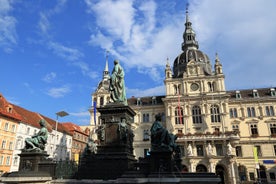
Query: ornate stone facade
x=217, y=129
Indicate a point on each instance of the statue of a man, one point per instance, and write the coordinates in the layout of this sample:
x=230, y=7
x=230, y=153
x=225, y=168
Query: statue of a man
x=117, y=84
x=160, y=137
x=37, y=141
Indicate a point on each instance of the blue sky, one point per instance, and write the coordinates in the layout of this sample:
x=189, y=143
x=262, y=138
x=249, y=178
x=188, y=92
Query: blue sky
x=52, y=53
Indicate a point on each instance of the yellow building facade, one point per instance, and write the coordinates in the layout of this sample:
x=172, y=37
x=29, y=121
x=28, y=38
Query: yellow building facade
x=217, y=129
x=9, y=121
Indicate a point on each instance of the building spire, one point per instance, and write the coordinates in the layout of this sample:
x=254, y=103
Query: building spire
x=189, y=40
x=106, y=72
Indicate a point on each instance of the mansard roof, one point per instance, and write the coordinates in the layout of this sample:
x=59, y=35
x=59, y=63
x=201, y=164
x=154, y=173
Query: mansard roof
x=245, y=94
x=149, y=100
x=248, y=93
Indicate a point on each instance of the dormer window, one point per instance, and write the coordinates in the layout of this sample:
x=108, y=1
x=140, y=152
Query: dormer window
x=272, y=92
x=139, y=102
x=255, y=93
x=238, y=94
x=154, y=101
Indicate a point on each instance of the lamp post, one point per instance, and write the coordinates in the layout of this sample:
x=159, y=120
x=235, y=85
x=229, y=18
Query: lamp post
x=59, y=114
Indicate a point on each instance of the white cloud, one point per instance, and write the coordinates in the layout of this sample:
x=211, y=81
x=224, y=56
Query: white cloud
x=80, y=114
x=114, y=16
x=67, y=53
x=8, y=35
x=86, y=70
x=58, y=92
x=133, y=36
x=243, y=33
x=49, y=77
x=158, y=90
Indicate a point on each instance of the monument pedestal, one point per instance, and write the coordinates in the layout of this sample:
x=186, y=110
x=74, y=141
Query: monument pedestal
x=115, y=153
x=161, y=161
x=33, y=168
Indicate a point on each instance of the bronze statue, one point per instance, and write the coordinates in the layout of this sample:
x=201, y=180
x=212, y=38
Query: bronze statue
x=161, y=140
x=117, y=84
x=37, y=142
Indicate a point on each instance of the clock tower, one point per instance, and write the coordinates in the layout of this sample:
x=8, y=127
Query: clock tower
x=193, y=83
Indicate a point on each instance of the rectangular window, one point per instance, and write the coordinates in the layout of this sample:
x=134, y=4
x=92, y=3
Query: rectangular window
x=179, y=115
x=269, y=111
x=233, y=113
x=251, y=176
x=1, y=160
x=8, y=160
x=6, y=128
x=219, y=149
x=238, y=151
x=199, y=150
x=146, y=135
x=15, y=161
x=146, y=152
x=11, y=146
x=146, y=117
x=3, y=146
x=259, y=151
x=13, y=128
x=215, y=114
x=251, y=112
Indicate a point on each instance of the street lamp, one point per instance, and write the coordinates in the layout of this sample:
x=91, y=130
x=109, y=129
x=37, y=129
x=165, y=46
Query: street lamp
x=59, y=114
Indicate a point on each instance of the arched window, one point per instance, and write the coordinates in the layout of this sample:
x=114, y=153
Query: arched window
x=242, y=172
x=251, y=112
x=196, y=113
x=215, y=114
x=211, y=86
x=201, y=168
x=102, y=100
x=177, y=89
x=179, y=119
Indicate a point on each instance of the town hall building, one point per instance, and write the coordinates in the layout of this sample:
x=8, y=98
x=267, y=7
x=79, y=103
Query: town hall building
x=230, y=133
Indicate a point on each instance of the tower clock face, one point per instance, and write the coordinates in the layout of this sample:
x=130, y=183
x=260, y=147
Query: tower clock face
x=194, y=86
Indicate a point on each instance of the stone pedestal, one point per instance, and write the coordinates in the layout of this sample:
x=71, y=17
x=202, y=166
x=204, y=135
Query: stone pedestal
x=33, y=168
x=34, y=164
x=115, y=152
x=161, y=161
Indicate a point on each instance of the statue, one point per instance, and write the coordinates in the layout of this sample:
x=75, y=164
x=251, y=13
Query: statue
x=189, y=150
x=229, y=149
x=91, y=146
x=123, y=131
x=37, y=142
x=210, y=149
x=117, y=84
x=101, y=132
x=161, y=140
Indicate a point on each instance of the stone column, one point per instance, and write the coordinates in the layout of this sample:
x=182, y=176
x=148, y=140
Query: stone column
x=231, y=168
